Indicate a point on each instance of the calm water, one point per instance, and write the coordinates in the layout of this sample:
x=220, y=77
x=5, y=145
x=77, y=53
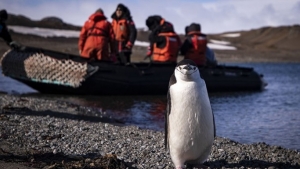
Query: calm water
x=271, y=116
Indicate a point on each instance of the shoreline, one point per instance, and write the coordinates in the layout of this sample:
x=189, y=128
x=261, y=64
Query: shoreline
x=40, y=133
x=247, y=55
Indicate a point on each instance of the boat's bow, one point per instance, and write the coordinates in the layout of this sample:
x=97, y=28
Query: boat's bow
x=38, y=66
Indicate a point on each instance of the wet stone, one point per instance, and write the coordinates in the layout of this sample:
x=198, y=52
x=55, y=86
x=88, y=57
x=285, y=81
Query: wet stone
x=54, y=133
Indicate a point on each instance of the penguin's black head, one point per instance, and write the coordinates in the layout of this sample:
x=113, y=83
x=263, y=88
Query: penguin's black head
x=187, y=64
x=187, y=67
x=186, y=61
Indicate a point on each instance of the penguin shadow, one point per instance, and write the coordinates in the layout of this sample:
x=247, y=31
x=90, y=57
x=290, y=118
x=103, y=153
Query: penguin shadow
x=36, y=159
x=24, y=111
x=250, y=164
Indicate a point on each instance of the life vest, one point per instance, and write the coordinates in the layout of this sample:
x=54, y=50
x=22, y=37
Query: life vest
x=97, y=30
x=97, y=39
x=169, y=52
x=197, y=52
x=121, y=30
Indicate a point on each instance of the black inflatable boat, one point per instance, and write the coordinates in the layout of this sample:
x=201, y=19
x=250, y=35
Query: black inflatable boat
x=106, y=78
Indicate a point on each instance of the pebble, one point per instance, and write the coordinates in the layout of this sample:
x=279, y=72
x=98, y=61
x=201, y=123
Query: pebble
x=58, y=127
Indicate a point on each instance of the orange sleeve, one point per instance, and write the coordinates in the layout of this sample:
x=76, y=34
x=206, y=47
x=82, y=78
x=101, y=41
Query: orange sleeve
x=82, y=36
x=112, y=24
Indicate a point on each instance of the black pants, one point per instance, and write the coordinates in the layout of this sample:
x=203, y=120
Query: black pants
x=124, y=57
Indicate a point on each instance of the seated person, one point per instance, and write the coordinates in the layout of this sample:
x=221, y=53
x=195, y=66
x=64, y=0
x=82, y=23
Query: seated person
x=195, y=46
x=164, y=42
x=210, y=57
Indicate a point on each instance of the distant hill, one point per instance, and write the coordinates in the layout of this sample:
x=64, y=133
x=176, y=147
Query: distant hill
x=266, y=38
x=48, y=22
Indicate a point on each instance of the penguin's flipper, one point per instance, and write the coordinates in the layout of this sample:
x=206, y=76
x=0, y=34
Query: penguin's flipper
x=214, y=122
x=168, y=111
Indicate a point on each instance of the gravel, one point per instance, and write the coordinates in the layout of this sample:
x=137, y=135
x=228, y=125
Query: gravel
x=40, y=133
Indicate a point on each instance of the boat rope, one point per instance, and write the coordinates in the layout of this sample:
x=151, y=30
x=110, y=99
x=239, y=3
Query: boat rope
x=39, y=67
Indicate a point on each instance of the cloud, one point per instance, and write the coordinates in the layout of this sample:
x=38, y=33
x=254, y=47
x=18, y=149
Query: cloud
x=215, y=16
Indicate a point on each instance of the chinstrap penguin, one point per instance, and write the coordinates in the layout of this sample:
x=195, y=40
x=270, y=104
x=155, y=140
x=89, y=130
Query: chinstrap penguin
x=189, y=120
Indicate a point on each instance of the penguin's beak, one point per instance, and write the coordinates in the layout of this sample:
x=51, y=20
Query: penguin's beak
x=187, y=67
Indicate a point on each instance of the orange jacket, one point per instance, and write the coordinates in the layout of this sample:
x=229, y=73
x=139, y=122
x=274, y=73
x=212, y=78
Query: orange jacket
x=197, y=51
x=121, y=30
x=170, y=51
x=125, y=33
x=96, y=38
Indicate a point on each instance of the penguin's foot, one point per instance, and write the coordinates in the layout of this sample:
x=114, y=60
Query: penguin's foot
x=199, y=166
x=179, y=167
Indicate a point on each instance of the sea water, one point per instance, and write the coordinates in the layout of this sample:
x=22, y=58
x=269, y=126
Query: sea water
x=271, y=115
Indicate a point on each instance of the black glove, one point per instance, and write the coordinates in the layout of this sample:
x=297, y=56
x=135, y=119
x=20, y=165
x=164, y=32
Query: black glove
x=15, y=45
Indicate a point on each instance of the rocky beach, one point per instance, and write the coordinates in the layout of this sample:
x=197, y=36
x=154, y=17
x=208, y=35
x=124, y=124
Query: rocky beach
x=52, y=134
x=39, y=133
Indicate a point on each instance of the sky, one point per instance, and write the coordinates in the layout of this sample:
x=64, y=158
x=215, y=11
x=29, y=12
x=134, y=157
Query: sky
x=215, y=16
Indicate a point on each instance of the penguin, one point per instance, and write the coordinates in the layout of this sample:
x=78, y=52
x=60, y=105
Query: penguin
x=189, y=120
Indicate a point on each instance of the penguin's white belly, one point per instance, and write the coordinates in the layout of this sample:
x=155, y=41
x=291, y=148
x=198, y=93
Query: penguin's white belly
x=191, y=122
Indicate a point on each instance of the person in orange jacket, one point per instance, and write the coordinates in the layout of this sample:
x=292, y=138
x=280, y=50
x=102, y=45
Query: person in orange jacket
x=125, y=33
x=164, y=42
x=96, y=38
x=195, y=45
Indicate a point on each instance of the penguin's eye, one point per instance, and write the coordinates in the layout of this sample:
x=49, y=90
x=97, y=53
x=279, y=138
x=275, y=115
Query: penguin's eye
x=180, y=68
x=194, y=68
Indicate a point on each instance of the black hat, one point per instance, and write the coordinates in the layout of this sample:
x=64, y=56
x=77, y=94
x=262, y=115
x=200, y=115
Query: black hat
x=124, y=9
x=121, y=7
x=3, y=14
x=153, y=21
x=194, y=27
x=186, y=30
